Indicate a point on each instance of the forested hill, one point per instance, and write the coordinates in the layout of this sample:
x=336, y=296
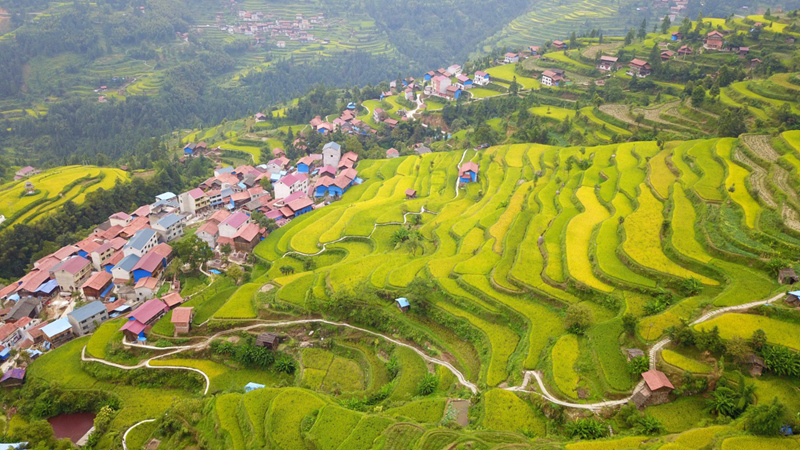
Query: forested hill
x=435, y=32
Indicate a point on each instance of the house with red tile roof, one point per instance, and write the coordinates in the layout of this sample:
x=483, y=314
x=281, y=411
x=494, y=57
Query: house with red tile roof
x=208, y=233
x=295, y=182
x=248, y=236
x=145, y=288
x=172, y=299
x=96, y=285
x=142, y=318
x=655, y=390
x=182, y=319
x=230, y=226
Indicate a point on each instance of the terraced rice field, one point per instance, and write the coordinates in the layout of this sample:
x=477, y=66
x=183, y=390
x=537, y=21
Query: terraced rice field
x=53, y=188
x=602, y=229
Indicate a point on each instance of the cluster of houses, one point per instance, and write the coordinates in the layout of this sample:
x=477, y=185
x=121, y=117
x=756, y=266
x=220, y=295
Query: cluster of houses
x=260, y=26
x=102, y=276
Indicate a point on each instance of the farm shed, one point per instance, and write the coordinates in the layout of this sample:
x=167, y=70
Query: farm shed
x=411, y=193
x=268, y=340
x=755, y=364
x=632, y=353
x=402, y=303
x=12, y=378
x=655, y=390
x=787, y=276
x=792, y=298
x=182, y=319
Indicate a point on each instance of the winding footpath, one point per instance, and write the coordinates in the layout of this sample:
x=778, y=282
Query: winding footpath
x=125, y=436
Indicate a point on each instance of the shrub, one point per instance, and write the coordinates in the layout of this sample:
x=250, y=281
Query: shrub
x=586, y=429
x=428, y=384
x=765, y=420
x=578, y=318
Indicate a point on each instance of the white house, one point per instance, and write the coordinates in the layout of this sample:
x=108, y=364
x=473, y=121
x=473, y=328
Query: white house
x=169, y=227
x=455, y=69
x=552, y=77
x=288, y=185
x=193, y=201
x=208, y=233
x=331, y=153
x=481, y=78
x=71, y=273
x=511, y=58
x=230, y=226
x=121, y=218
x=142, y=242
x=87, y=318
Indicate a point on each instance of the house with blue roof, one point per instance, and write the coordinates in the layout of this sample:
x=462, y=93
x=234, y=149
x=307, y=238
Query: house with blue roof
x=402, y=303
x=189, y=149
x=87, y=318
x=58, y=332
x=142, y=242
x=169, y=227
x=124, y=269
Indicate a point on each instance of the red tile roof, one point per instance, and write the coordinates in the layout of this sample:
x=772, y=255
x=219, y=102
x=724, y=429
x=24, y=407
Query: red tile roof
x=236, y=220
x=250, y=231
x=469, y=166
x=148, y=310
x=97, y=281
x=112, y=232
x=210, y=228
x=656, y=379
x=65, y=252
x=72, y=266
x=7, y=329
x=172, y=299
x=219, y=216
x=149, y=262
x=146, y=282
x=182, y=315
x=163, y=249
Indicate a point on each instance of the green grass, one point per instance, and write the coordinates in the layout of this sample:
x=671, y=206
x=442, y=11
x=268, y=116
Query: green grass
x=241, y=303
x=412, y=369
x=365, y=433
x=103, y=336
x=684, y=363
x=226, y=414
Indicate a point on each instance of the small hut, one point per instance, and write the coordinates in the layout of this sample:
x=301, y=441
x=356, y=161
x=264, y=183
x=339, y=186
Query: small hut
x=655, y=391
x=13, y=378
x=787, y=276
x=402, y=304
x=268, y=340
x=792, y=298
x=633, y=353
x=755, y=364
x=411, y=193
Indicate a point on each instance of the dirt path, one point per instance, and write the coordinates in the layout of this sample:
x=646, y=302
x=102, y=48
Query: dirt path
x=790, y=218
x=125, y=436
x=758, y=178
x=653, y=353
x=782, y=181
x=592, y=51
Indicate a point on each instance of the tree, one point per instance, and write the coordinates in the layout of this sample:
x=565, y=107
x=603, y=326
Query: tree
x=766, y=419
x=737, y=349
x=191, y=250
x=758, y=340
x=286, y=270
x=642, y=30
x=226, y=249
x=266, y=184
x=629, y=38
x=665, y=24
x=235, y=273
x=590, y=428
x=698, y=96
x=732, y=122
x=629, y=322
x=578, y=318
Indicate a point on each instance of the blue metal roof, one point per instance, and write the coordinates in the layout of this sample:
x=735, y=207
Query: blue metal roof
x=332, y=145
x=57, y=327
x=14, y=297
x=127, y=263
x=166, y=196
x=795, y=293
x=402, y=302
x=108, y=289
x=48, y=287
x=141, y=238
x=222, y=170
x=5, y=352
x=87, y=311
x=169, y=220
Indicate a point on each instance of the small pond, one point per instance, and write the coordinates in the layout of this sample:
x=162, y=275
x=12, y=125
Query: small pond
x=72, y=426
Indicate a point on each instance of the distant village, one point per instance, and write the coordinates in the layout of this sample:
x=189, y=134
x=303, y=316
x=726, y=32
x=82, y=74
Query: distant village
x=263, y=26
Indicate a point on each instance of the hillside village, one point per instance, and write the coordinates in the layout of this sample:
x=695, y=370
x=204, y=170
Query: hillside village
x=119, y=268
x=126, y=267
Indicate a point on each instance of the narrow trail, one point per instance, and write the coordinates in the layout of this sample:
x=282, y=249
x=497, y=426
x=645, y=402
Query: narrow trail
x=125, y=436
x=653, y=353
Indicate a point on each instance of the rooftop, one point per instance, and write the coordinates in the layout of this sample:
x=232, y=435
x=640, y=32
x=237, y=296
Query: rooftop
x=84, y=312
x=182, y=314
x=55, y=328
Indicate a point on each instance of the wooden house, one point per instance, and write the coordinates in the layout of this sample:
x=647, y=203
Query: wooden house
x=268, y=340
x=411, y=193
x=655, y=390
x=402, y=304
x=787, y=276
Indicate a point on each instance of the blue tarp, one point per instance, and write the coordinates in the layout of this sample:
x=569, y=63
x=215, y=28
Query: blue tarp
x=4, y=354
x=252, y=386
x=402, y=302
x=215, y=271
x=108, y=289
x=795, y=293
x=14, y=297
